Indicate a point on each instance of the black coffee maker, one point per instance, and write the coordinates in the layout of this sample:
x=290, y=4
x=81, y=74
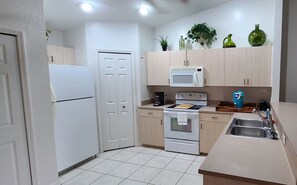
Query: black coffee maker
x=159, y=99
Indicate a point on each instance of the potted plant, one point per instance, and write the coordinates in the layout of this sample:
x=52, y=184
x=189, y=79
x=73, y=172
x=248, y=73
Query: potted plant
x=203, y=34
x=163, y=42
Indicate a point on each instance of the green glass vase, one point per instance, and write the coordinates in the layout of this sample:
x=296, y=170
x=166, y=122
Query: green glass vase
x=257, y=37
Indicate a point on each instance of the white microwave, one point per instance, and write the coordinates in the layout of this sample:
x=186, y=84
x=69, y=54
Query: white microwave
x=187, y=77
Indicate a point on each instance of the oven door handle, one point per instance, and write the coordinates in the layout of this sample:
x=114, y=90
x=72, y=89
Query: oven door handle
x=175, y=112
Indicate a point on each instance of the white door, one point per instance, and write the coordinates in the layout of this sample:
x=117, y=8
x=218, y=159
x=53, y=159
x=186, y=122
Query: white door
x=116, y=100
x=14, y=161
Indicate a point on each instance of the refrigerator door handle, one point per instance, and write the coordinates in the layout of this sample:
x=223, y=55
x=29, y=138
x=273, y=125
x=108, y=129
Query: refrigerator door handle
x=54, y=100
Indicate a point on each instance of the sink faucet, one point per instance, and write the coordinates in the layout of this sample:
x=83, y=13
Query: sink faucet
x=268, y=121
x=264, y=120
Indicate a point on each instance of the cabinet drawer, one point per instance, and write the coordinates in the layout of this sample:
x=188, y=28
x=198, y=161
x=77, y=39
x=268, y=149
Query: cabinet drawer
x=215, y=117
x=150, y=113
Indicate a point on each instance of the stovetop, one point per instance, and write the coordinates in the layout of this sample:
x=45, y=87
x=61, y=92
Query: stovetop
x=195, y=107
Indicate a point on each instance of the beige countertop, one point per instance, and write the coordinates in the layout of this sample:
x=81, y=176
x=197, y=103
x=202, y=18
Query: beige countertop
x=256, y=160
x=150, y=106
x=287, y=115
x=212, y=109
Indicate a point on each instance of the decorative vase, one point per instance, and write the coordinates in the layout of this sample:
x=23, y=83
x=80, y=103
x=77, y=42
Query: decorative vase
x=257, y=37
x=181, y=43
x=229, y=43
x=164, y=47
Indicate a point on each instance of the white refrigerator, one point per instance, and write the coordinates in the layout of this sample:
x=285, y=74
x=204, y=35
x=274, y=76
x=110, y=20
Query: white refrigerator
x=74, y=113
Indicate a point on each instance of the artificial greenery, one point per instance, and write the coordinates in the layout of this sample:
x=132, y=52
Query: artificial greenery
x=203, y=34
x=163, y=41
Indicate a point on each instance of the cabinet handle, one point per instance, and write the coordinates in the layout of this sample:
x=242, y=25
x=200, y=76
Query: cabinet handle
x=214, y=117
x=188, y=63
x=205, y=81
x=161, y=122
x=244, y=81
x=150, y=113
x=248, y=81
x=52, y=59
x=168, y=81
x=201, y=126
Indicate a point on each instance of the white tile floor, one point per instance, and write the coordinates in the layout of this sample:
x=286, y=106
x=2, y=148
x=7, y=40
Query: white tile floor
x=137, y=166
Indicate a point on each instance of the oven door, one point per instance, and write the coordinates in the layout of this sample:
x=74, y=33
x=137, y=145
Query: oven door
x=189, y=131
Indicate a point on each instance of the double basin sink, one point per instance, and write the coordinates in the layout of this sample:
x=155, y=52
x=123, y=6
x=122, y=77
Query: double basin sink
x=248, y=128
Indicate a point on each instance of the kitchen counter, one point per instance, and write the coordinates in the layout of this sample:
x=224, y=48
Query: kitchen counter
x=212, y=109
x=287, y=115
x=150, y=106
x=246, y=159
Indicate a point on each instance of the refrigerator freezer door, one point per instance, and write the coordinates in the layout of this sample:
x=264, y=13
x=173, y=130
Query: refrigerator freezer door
x=75, y=131
x=71, y=82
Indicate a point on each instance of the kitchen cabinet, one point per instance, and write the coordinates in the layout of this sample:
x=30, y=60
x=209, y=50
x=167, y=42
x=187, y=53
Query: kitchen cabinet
x=211, y=126
x=158, y=65
x=151, y=129
x=187, y=58
x=60, y=55
x=214, y=67
x=248, y=66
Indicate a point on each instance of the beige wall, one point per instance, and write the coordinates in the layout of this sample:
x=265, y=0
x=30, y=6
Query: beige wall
x=27, y=16
x=289, y=54
x=252, y=94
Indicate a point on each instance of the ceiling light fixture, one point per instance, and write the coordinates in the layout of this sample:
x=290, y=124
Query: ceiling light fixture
x=143, y=10
x=87, y=7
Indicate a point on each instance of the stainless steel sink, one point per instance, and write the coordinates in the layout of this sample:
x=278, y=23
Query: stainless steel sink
x=249, y=131
x=247, y=122
x=248, y=128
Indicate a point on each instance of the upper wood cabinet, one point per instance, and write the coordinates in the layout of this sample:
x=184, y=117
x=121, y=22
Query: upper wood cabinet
x=60, y=55
x=189, y=58
x=248, y=66
x=158, y=65
x=214, y=67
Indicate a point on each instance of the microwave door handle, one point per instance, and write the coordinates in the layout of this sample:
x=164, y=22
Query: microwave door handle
x=195, y=79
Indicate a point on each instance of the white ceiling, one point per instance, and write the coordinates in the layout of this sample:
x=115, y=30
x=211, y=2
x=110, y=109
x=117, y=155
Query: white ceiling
x=65, y=14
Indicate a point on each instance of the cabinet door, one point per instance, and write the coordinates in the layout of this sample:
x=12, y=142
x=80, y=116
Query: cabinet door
x=178, y=58
x=195, y=57
x=214, y=67
x=52, y=53
x=144, y=130
x=157, y=132
x=220, y=126
x=207, y=139
x=158, y=64
x=235, y=66
x=258, y=66
x=68, y=56
x=60, y=55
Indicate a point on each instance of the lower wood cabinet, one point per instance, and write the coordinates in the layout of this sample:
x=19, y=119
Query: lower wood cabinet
x=211, y=126
x=150, y=127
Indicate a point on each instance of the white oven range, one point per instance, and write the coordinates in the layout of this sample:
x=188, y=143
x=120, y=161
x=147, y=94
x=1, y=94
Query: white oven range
x=181, y=125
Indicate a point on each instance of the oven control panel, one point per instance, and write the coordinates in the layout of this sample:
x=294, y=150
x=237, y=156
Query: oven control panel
x=191, y=96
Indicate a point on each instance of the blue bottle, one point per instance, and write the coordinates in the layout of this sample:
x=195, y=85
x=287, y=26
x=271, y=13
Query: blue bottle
x=238, y=99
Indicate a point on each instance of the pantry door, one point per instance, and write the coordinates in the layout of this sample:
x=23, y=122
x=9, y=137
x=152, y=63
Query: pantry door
x=14, y=158
x=116, y=100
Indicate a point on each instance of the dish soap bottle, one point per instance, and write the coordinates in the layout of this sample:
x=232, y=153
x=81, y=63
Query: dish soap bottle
x=181, y=43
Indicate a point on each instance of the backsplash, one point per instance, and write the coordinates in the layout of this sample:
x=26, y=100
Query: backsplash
x=252, y=94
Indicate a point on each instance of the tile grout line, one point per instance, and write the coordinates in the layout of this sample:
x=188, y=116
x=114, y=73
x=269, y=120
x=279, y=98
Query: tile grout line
x=143, y=165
